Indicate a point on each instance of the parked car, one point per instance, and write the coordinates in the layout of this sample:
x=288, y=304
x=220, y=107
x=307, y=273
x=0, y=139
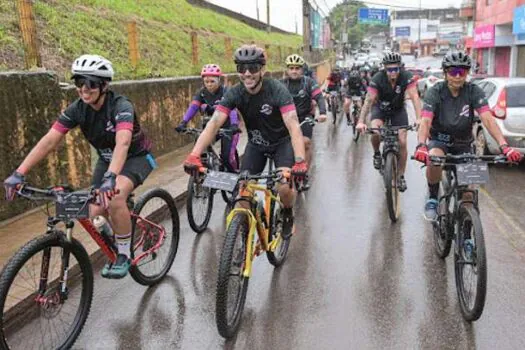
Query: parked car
x=429, y=79
x=506, y=97
x=374, y=61
x=441, y=51
x=359, y=55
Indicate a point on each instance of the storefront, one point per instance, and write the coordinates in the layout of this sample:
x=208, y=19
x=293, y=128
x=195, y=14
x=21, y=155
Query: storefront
x=518, y=56
x=484, y=37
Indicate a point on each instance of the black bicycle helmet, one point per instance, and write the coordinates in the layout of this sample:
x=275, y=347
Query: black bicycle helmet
x=456, y=59
x=392, y=58
x=250, y=54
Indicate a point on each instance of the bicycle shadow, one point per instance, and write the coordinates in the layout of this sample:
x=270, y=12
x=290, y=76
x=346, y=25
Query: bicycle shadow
x=162, y=316
x=443, y=323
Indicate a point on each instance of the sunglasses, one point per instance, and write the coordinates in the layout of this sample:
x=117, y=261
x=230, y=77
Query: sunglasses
x=455, y=71
x=88, y=83
x=393, y=70
x=251, y=67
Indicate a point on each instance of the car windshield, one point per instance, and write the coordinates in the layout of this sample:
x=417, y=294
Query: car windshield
x=516, y=96
x=437, y=74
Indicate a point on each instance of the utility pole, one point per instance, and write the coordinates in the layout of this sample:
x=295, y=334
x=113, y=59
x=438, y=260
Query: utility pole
x=268, y=14
x=306, y=29
x=419, y=29
x=296, y=29
x=344, y=34
x=257, y=5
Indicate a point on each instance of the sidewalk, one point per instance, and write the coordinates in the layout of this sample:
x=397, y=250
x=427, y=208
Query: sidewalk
x=169, y=175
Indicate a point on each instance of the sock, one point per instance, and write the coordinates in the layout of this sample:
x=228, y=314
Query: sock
x=433, y=190
x=124, y=244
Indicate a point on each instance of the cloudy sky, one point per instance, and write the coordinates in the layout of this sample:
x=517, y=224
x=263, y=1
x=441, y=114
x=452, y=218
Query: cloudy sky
x=284, y=14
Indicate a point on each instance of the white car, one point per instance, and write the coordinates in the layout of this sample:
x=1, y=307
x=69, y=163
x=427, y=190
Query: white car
x=361, y=55
x=374, y=61
x=506, y=97
x=429, y=79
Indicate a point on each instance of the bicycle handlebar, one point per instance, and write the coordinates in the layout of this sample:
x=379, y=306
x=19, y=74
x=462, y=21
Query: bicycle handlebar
x=26, y=191
x=309, y=120
x=222, y=132
x=442, y=160
x=391, y=128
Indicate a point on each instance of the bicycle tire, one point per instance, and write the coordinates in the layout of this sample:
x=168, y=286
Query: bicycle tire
x=198, y=227
x=16, y=263
x=277, y=257
x=135, y=271
x=333, y=110
x=391, y=190
x=228, y=197
x=442, y=237
x=237, y=230
x=467, y=212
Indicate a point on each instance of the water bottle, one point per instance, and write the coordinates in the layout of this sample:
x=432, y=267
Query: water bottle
x=103, y=227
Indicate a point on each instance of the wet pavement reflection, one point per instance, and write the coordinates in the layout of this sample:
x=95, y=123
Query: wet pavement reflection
x=352, y=280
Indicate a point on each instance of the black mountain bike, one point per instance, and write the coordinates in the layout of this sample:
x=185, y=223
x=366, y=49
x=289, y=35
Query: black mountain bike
x=389, y=166
x=199, y=201
x=333, y=104
x=356, y=110
x=459, y=221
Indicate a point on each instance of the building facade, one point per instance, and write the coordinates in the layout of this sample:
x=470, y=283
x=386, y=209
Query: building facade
x=498, y=41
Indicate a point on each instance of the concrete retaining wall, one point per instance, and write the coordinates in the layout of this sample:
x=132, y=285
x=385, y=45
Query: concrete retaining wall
x=31, y=102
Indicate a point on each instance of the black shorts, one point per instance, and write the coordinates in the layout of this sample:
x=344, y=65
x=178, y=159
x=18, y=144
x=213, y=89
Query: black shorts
x=254, y=158
x=398, y=118
x=447, y=148
x=136, y=169
x=306, y=128
x=353, y=93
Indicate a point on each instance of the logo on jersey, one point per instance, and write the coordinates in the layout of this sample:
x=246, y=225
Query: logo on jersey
x=266, y=109
x=110, y=127
x=398, y=89
x=301, y=93
x=257, y=138
x=465, y=111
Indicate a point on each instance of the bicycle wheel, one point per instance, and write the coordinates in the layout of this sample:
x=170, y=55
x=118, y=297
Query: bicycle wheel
x=53, y=318
x=278, y=256
x=333, y=110
x=231, y=284
x=155, y=221
x=391, y=190
x=199, y=204
x=470, y=261
x=354, y=125
x=441, y=228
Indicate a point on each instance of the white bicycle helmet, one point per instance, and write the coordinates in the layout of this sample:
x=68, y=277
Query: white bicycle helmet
x=93, y=65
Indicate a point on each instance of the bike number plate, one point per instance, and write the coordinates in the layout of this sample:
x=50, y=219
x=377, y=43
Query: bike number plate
x=221, y=180
x=472, y=173
x=73, y=205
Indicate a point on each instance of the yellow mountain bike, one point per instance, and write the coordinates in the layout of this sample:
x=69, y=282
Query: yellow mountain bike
x=250, y=232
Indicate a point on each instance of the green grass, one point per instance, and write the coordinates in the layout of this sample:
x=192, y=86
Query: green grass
x=69, y=28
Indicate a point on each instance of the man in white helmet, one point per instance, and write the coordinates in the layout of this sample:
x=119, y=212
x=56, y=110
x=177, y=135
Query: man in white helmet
x=109, y=123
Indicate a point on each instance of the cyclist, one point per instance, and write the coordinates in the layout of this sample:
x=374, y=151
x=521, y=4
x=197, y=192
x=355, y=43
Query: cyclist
x=207, y=98
x=353, y=94
x=109, y=122
x=303, y=90
x=333, y=83
x=386, y=100
x=447, y=120
x=271, y=120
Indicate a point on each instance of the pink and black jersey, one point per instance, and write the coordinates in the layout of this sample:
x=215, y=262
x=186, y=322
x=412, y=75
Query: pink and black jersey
x=262, y=113
x=100, y=127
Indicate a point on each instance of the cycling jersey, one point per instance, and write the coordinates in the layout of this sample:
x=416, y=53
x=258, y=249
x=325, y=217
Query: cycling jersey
x=453, y=117
x=100, y=127
x=390, y=99
x=334, y=80
x=355, y=86
x=208, y=101
x=262, y=112
x=303, y=91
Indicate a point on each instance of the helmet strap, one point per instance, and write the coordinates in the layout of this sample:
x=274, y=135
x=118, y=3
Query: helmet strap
x=103, y=89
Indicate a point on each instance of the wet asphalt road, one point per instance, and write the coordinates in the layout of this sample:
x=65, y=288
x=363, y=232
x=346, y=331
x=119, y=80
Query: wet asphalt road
x=352, y=279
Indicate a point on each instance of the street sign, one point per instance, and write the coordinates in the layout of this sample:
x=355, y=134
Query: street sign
x=373, y=16
x=518, y=23
x=402, y=31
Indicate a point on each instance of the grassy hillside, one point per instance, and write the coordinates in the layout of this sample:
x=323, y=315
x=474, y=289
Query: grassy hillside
x=68, y=28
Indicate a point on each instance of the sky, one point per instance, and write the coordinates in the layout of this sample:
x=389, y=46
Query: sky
x=285, y=13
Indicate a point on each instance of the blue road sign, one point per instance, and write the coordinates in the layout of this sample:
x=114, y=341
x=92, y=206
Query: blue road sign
x=373, y=16
x=402, y=31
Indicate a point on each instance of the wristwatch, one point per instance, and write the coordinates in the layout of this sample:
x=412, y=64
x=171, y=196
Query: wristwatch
x=299, y=159
x=502, y=147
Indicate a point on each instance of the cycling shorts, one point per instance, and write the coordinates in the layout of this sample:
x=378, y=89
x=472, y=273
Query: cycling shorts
x=454, y=148
x=397, y=118
x=255, y=157
x=136, y=169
